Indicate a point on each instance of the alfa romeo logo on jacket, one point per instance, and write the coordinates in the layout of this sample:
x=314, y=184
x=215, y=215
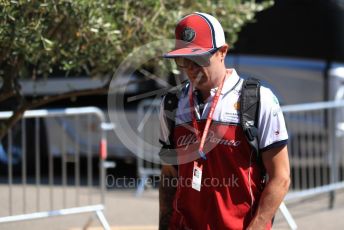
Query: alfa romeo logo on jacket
x=188, y=34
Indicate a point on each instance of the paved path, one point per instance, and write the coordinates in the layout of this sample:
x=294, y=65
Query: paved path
x=126, y=212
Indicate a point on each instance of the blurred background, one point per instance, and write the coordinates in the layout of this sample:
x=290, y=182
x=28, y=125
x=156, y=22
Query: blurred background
x=65, y=162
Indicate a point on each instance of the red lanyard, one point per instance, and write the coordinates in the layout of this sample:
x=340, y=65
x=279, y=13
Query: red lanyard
x=202, y=138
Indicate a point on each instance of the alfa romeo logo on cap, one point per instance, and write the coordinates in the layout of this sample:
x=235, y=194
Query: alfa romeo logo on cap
x=188, y=34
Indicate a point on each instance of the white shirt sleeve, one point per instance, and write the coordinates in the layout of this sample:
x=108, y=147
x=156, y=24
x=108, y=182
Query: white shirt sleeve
x=164, y=130
x=271, y=126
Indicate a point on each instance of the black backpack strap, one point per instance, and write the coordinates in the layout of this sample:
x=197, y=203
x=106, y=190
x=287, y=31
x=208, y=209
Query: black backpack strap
x=168, y=153
x=250, y=109
x=170, y=108
x=250, y=106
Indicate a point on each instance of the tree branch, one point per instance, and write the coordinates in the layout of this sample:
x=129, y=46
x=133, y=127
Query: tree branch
x=11, y=86
x=7, y=90
x=5, y=94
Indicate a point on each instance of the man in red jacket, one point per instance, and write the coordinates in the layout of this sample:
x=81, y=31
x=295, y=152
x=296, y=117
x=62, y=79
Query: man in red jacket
x=221, y=182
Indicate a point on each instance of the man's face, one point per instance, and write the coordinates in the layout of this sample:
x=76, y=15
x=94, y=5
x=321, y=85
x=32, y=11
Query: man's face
x=202, y=70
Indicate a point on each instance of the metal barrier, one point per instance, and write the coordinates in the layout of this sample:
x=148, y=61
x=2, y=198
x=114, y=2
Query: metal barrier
x=148, y=162
x=316, y=147
x=24, y=150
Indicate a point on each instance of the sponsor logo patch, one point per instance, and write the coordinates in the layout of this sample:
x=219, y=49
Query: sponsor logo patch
x=190, y=139
x=188, y=34
x=230, y=117
x=237, y=105
x=194, y=50
x=275, y=100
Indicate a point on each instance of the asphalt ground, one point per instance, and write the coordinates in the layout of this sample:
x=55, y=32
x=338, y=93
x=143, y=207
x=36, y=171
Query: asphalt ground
x=124, y=211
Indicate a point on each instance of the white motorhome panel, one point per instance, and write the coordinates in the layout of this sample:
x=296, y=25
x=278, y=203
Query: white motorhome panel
x=292, y=80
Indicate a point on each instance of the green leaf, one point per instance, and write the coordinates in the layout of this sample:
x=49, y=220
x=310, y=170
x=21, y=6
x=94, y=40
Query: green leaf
x=48, y=45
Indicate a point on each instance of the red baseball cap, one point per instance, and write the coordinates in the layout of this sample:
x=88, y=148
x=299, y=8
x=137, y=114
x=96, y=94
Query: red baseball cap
x=197, y=34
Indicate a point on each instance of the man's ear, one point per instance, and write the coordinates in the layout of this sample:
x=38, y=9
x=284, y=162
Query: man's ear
x=223, y=50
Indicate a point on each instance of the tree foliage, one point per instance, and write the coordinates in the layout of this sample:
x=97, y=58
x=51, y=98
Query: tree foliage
x=39, y=37
x=94, y=36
